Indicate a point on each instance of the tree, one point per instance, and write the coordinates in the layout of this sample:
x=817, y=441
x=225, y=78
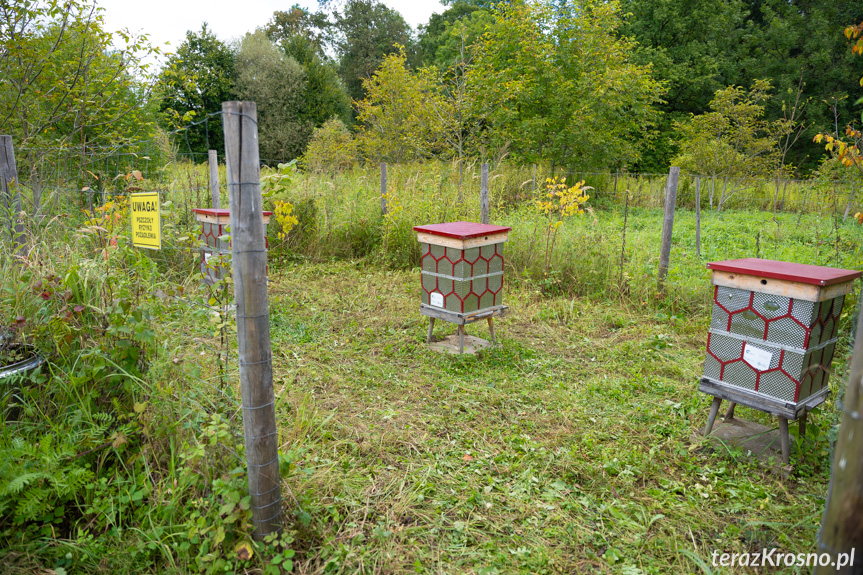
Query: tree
x=297, y=23
x=331, y=149
x=800, y=39
x=301, y=34
x=557, y=83
x=699, y=46
x=730, y=143
x=403, y=115
x=194, y=83
x=840, y=528
x=436, y=33
x=66, y=84
x=367, y=31
x=276, y=82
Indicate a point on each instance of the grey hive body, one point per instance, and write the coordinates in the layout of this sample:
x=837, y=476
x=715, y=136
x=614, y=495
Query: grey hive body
x=462, y=267
x=773, y=333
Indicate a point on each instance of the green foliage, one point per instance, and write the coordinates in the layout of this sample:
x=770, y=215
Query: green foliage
x=731, y=143
x=367, y=32
x=436, y=37
x=584, y=105
x=332, y=148
x=403, y=114
x=67, y=81
x=194, y=82
x=324, y=94
x=299, y=25
x=277, y=83
x=301, y=35
x=698, y=47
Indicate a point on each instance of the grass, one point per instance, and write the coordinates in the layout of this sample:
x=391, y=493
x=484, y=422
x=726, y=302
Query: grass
x=566, y=449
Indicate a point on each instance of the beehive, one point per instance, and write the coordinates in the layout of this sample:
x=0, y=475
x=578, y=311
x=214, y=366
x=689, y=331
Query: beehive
x=462, y=266
x=773, y=333
x=213, y=224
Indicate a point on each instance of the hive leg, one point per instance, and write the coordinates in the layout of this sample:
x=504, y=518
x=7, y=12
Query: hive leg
x=431, y=329
x=784, y=440
x=730, y=413
x=801, y=424
x=491, y=329
x=714, y=410
x=461, y=339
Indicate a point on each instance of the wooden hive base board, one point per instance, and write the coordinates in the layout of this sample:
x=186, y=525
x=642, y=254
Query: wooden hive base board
x=761, y=402
x=462, y=318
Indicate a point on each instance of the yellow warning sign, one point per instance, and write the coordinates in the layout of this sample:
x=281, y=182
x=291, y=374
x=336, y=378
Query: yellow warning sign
x=146, y=225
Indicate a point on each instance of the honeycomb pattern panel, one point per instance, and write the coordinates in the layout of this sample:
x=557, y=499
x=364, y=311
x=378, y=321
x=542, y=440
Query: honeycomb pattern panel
x=719, y=319
x=770, y=306
x=804, y=312
x=786, y=331
x=748, y=323
x=462, y=269
x=732, y=299
x=427, y=260
x=465, y=294
x=724, y=348
x=778, y=384
x=741, y=374
x=712, y=368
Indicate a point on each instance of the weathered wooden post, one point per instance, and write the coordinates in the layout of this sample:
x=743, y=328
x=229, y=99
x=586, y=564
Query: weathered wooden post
x=249, y=262
x=11, y=202
x=668, y=224
x=698, y=216
x=383, y=188
x=841, y=530
x=214, y=180
x=483, y=195
x=214, y=186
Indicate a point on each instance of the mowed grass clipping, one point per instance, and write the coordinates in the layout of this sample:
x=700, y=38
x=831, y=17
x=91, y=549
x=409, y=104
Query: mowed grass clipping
x=567, y=448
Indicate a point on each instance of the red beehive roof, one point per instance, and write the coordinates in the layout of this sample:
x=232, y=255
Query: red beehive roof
x=803, y=273
x=461, y=230
x=220, y=212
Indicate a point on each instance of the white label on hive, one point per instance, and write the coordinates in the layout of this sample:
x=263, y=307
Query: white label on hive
x=436, y=299
x=756, y=357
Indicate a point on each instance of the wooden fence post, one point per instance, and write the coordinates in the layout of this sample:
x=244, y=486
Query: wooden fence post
x=668, y=224
x=249, y=262
x=214, y=179
x=383, y=188
x=483, y=195
x=698, y=216
x=11, y=202
x=840, y=527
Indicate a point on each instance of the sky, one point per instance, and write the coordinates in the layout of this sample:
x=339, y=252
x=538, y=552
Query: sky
x=168, y=20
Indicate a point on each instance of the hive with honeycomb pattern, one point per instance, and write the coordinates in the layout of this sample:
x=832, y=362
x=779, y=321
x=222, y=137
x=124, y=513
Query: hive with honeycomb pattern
x=773, y=330
x=462, y=266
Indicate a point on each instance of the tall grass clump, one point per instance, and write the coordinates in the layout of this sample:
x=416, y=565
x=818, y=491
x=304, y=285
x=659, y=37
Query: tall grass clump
x=123, y=452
